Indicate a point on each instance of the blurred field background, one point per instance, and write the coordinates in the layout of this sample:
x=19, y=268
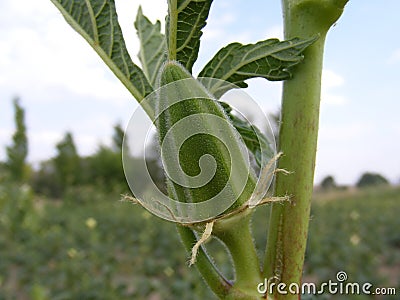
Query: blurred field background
x=65, y=234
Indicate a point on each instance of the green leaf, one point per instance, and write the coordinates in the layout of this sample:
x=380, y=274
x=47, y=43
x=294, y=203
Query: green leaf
x=153, y=51
x=185, y=20
x=255, y=140
x=270, y=59
x=96, y=21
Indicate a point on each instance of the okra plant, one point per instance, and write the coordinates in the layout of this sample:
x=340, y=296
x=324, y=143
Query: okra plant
x=206, y=145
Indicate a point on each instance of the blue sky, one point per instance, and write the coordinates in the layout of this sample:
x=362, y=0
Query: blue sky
x=63, y=85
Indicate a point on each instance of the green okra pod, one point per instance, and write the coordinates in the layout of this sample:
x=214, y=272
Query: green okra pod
x=203, y=155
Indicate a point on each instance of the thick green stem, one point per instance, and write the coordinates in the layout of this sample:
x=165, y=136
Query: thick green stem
x=171, y=28
x=288, y=226
x=298, y=138
x=217, y=283
x=235, y=233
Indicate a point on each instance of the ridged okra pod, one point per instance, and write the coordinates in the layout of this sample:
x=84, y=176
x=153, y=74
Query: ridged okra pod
x=203, y=155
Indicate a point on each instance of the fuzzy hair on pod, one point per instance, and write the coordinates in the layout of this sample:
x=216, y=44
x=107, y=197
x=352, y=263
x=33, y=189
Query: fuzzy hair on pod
x=203, y=155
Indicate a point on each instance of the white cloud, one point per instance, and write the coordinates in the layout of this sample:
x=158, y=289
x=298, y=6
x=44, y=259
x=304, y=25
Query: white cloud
x=37, y=55
x=224, y=4
x=331, y=81
x=42, y=144
x=88, y=144
x=212, y=34
x=395, y=57
x=5, y=133
x=47, y=137
x=216, y=27
x=5, y=139
x=341, y=150
x=341, y=133
x=126, y=10
x=275, y=31
x=226, y=19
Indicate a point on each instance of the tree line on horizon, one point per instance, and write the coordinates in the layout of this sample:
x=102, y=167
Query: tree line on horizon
x=102, y=169
x=67, y=169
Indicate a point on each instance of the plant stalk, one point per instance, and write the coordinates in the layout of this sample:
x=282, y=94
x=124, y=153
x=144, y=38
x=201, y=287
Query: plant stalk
x=288, y=228
x=214, y=279
x=235, y=233
x=171, y=28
